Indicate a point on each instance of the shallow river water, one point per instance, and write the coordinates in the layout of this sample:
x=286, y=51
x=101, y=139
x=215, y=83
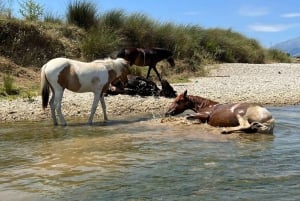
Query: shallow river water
x=142, y=159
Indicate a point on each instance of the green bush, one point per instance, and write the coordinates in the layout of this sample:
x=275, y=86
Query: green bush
x=229, y=46
x=82, y=13
x=277, y=55
x=114, y=19
x=138, y=30
x=100, y=43
x=8, y=85
x=164, y=35
x=51, y=18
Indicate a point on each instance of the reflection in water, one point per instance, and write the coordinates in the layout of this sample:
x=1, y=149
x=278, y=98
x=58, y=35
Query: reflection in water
x=145, y=159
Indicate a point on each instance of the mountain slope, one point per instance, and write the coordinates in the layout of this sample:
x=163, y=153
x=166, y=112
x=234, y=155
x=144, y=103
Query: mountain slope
x=291, y=46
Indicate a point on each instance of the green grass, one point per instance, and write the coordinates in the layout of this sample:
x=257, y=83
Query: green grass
x=99, y=43
x=9, y=86
x=82, y=13
x=51, y=18
x=277, y=55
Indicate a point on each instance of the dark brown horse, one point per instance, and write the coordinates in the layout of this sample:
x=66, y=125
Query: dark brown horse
x=146, y=57
x=245, y=117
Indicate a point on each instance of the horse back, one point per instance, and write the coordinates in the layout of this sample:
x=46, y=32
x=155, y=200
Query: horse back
x=77, y=76
x=222, y=116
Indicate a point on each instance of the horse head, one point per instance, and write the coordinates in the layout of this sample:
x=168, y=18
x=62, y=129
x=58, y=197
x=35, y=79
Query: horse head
x=171, y=61
x=167, y=90
x=179, y=105
x=124, y=70
x=165, y=54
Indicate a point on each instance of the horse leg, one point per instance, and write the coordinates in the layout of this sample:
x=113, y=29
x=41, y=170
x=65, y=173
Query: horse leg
x=57, y=105
x=156, y=71
x=243, y=125
x=103, y=107
x=52, y=106
x=94, y=107
x=265, y=127
x=148, y=73
x=202, y=117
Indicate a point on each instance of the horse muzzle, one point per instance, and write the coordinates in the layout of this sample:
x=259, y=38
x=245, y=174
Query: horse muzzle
x=170, y=113
x=171, y=61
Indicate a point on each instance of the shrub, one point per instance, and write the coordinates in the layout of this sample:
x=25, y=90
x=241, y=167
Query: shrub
x=51, y=18
x=229, y=46
x=113, y=19
x=8, y=85
x=138, y=30
x=100, y=43
x=82, y=13
x=164, y=36
x=277, y=55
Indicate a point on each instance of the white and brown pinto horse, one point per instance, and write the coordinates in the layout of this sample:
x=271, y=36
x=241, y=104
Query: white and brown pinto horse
x=245, y=117
x=62, y=73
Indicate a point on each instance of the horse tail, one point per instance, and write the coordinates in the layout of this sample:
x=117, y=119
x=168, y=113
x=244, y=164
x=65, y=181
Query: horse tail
x=45, y=88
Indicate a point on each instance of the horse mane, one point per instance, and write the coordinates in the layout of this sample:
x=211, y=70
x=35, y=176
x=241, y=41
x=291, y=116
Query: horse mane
x=102, y=60
x=108, y=60
x=161, y=50
x=200, y=102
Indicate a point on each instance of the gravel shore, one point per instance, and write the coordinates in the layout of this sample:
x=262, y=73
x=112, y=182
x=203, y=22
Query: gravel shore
x=267, y=84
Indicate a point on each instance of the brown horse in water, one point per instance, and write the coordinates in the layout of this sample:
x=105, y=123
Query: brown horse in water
x=245, y=117
x=146, y=57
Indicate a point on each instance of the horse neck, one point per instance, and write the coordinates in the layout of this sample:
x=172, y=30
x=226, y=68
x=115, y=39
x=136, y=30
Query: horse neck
x=110, y=64
x=165, y=54
x=197, y=102
x=162, y=53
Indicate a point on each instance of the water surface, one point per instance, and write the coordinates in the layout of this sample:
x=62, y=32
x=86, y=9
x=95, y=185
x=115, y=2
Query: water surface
x=142, y=159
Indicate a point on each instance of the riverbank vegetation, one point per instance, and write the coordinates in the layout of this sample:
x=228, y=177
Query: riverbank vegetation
x=84, y=33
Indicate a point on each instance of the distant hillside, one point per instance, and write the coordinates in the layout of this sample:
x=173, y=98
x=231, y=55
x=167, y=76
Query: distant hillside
x=291, y=46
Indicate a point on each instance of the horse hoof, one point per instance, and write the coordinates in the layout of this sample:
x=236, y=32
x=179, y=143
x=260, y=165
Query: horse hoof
x=256, y=125
x=189, y=117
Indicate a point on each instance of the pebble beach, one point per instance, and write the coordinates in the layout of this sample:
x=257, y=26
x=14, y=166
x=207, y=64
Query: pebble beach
x=266, y=84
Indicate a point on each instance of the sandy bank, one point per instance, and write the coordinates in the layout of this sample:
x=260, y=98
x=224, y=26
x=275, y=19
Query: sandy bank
x=267, y=84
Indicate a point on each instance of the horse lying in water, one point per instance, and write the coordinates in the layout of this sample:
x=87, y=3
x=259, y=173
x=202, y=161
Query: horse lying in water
x=245, y=117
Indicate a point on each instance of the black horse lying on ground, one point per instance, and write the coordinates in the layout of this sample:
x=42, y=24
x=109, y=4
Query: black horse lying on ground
x=141, y=86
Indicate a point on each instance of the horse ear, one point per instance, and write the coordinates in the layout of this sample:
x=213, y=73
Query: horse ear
x=185, y=93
